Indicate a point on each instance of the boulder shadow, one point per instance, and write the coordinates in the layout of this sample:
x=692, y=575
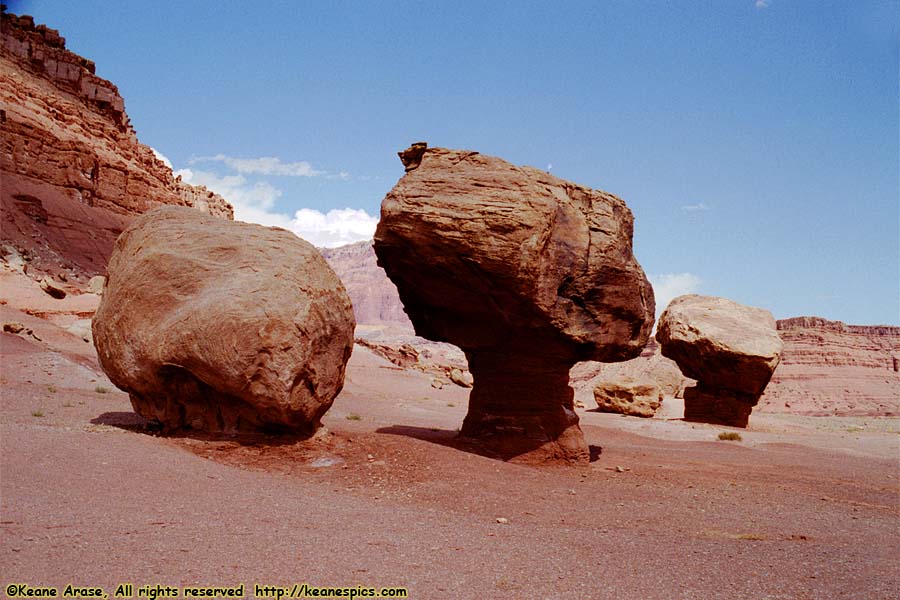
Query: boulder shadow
x=135, y=423
x=452, y=439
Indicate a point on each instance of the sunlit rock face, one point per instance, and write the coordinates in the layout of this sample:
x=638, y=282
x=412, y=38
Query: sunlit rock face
x=528, y=274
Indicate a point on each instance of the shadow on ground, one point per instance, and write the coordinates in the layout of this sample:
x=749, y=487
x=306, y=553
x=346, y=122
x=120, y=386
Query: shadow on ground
x=135, y=423
x=452, y=439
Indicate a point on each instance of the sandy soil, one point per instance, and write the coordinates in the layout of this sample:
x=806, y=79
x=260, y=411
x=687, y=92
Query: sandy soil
x=801, y=508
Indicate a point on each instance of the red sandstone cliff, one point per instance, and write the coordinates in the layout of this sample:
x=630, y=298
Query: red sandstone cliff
x=828, y=367
x=73, y=172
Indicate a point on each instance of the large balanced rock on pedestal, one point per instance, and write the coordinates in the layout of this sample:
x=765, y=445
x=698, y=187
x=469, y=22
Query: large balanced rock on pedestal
x=528, y=274
x=729, y=348
x=222, y=326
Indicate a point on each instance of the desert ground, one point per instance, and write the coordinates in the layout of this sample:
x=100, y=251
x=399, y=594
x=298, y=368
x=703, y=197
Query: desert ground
x=801, y=507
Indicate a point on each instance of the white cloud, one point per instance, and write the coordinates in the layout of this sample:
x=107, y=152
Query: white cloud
x=667, y=286
x=695, y=207
x=264, y=165
x=253, y=203
x=760, y=4
x=162, y=157
x=235, y=188
x=337, y=227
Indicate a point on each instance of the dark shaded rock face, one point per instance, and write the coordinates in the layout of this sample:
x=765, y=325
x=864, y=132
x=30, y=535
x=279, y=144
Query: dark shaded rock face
x=528, y=274
x=223, y=326
x=729, y=348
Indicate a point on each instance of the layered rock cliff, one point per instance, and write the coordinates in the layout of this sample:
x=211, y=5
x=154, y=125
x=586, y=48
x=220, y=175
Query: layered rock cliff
x=73, y=170
x=374, y=296
x=828, y=367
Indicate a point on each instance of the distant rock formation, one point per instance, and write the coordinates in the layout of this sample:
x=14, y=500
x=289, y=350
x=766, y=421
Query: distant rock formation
x=829, y=368
x=628, y=396
x=74, y=173
x=222, y=326
x=375, y=298
x=729, y=348
x=649, y=369
x=528, y=274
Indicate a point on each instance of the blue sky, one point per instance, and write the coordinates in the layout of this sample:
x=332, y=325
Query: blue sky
x=755, y=141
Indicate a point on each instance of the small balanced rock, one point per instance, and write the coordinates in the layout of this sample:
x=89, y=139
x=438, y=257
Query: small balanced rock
x=222, y=326
x=729, y=348
x=526, y=273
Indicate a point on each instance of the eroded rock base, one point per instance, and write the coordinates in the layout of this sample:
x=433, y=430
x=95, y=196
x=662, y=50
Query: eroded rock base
x=723, y=407
x=186, y=403
x=522, y=409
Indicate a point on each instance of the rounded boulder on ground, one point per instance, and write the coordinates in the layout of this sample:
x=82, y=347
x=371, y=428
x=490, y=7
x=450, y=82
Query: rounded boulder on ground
x=222, y=326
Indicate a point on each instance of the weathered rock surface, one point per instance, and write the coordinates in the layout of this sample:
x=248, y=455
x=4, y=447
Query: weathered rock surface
x=222, y=326
x=95, y=284
x=374, y=296
x=52, y=288
x=650, y=368
x=729, y=348
x=628, y=397
x=528, y=274
x=73, y=171
x=403, y=355
x=830, y=368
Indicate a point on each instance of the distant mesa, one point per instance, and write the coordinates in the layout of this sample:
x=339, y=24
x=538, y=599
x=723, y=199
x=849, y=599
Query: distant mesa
x=375, y=299
x=221, y=326
x=528, y=274
x=729, y=348
x=74, y=173
x=831, y=368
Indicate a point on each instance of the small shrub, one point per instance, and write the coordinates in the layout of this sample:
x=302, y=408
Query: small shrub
x=353, y=417
x=101, y=390
x=37, y=413
x=730, y=436
x=450, y=404
x=51, y=388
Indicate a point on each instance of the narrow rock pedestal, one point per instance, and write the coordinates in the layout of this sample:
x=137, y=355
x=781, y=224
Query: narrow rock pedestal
x=719, y=406
x=523, y=406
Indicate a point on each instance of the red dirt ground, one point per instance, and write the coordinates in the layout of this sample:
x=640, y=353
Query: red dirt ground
x=801, y=508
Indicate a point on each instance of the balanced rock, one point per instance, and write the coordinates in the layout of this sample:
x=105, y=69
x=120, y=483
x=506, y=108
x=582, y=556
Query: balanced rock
x=222, y=326
x=729, y=348
x=527, y=274
x=628, y=397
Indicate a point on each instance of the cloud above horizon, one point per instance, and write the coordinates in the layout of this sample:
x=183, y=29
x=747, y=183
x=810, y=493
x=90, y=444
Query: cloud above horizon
x=263, y=165
x=699, y=207
x=254, y=203
x=668, y=286
x=760, y=4
x=160, y=156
